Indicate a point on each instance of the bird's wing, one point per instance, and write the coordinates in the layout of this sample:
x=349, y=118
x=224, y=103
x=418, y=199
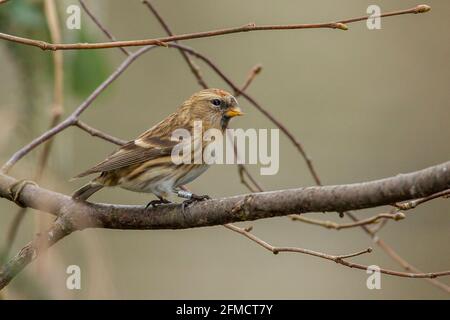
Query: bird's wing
x=134, y=152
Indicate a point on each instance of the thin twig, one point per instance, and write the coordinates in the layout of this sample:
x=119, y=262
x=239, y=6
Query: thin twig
x=72, y=119
x=242, y=170
x=338, y=226
x=192, y=66
x=205, y=34
x=163, y=41
x=11, y=234
x=414, y=203
x=276, y=250
x=338, y=259
x=58, y=63
x=377, y=228
x=98, y=133
x=251, y=76
x=395, y=256
x=101, y=27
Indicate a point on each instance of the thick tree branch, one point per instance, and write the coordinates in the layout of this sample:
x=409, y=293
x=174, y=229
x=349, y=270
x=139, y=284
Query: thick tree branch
x=238, y=208
x=77, y=215
x=32, y=250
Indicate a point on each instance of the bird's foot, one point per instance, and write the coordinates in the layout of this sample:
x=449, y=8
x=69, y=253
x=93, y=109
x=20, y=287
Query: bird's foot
x=158, y=202
x=194, y=198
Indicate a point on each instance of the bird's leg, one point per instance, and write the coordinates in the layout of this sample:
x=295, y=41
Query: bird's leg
x=155, y=203
x=191, y=198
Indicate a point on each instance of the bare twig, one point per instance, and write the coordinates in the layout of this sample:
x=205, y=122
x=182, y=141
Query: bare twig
x=414, y=203
x=276, y=250
x=251, y=76
x=340, y=259
x=72, y=119
x=242, y=170
x=55, y=34
x=100, y=26
x=11, y=234
x=192, y=66
x=395, y=256
x=422, y=8
x=98, y=133
x=164, y=40
x=338, y=226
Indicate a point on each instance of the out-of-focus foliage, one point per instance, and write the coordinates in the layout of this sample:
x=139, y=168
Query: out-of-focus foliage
x=84, y=70
x=26, y=19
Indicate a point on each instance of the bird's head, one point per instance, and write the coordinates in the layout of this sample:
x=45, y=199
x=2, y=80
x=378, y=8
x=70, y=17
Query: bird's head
x=214, y=106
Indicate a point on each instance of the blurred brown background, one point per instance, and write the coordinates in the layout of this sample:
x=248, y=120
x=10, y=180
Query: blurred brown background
x=365, y=104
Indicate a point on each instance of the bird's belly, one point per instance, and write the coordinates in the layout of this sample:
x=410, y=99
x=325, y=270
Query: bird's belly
x=159, y=181
x=191, y=175
x=162, y=181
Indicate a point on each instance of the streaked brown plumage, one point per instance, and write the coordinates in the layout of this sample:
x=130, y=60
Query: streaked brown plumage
x=145, y=164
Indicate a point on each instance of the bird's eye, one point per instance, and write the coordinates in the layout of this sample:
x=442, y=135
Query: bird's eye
x=216, y=102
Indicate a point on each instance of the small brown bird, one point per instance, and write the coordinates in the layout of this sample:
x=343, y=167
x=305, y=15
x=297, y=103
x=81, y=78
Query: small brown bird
x=146, y=165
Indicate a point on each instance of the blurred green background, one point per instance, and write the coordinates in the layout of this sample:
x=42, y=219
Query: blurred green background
x=365, y=104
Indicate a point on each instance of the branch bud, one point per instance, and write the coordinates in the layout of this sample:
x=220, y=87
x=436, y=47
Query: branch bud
x=422, y=8
x=341, y=26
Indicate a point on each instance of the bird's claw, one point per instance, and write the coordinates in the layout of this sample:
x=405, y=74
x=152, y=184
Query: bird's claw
x=200, y=198
x=194, y=198
x=155, y=203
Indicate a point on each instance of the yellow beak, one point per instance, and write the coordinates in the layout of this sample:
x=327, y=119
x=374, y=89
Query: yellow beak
x=233, y=112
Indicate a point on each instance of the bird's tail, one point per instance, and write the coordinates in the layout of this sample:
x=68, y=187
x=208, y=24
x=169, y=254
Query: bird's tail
x=87, y=190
